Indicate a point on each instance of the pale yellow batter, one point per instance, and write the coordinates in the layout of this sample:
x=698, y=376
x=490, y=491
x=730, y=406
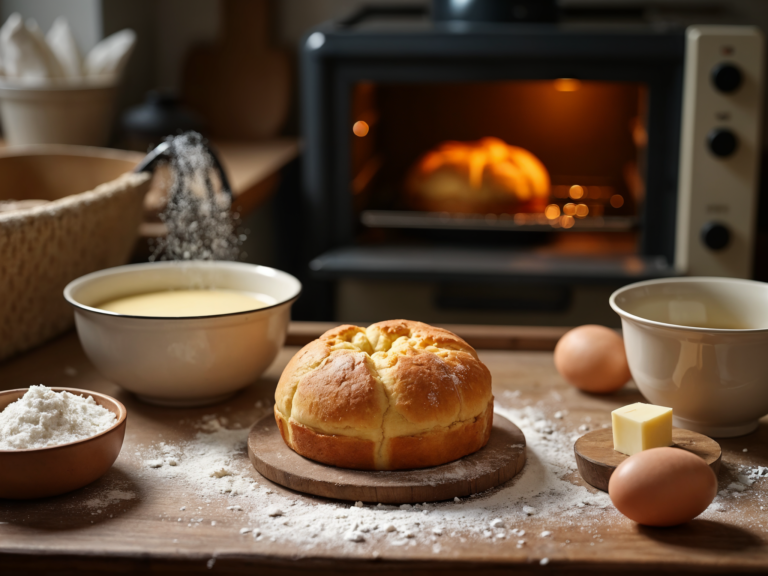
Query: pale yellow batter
x=180, y=303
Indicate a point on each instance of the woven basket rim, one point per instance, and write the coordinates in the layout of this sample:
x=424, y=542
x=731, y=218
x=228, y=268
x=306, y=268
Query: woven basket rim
x=70, y=150
x=105, y=189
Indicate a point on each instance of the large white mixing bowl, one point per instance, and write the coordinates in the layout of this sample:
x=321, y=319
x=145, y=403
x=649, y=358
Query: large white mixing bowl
x=699, y=346
x=182, y=361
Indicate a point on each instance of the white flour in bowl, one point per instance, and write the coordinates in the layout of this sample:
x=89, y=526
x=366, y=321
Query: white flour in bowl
x=43, y=417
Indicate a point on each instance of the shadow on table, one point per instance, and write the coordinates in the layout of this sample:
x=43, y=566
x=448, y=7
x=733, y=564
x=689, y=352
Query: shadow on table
x=239, y=408
x=106, y=499
x=703, y=534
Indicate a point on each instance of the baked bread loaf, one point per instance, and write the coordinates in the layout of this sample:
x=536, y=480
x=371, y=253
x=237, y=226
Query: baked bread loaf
x=483, y=176
x=393, y=396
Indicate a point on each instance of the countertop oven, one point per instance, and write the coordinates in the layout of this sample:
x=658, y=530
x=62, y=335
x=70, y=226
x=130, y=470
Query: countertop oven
x=470, y=171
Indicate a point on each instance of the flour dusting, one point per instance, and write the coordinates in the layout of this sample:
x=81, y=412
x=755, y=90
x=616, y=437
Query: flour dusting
x=215, y=465
x=109, y=498
x=536, y=509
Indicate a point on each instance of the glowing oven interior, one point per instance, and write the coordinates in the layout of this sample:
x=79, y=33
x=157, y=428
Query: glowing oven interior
x=548, y=155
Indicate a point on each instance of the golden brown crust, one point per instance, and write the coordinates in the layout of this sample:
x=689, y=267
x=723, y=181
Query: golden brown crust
x=309, y=358
x=473, y=381
x=282, y=425
x=336, y=450
x=428, y=335
x=399, y=394
x=305, y=360
x=440, y=446
x=401, y=453
x=341, y=334
x=341, y=394
x=423, y=390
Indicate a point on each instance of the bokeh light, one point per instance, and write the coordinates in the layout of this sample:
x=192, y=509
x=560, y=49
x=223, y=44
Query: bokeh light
x=552, y=211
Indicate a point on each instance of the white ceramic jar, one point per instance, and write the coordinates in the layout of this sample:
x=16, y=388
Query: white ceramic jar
x=76, y=113
x=182, y=361
x=699, y=346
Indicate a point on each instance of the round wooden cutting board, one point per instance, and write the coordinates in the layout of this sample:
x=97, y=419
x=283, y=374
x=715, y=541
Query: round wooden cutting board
x=597, y=459
x=497, y=462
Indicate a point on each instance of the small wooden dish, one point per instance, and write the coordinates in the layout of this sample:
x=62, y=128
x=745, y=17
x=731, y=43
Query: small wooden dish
x=497, y=462
x=597, y=459
x=55, y=470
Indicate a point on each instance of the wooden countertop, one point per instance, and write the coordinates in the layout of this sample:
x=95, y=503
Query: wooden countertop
x=253, y=168
x=65, y=536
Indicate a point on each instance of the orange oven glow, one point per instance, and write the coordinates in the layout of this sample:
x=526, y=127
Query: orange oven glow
x=566, y=84
x=485, y=175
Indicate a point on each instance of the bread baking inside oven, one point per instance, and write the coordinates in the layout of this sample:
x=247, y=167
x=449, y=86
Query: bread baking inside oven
x=482, y=176
x=393, y=396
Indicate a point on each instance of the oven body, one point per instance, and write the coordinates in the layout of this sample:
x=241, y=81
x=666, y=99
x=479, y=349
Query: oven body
x=643, y=98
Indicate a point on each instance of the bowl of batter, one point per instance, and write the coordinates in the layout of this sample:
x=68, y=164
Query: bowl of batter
x=183, y=333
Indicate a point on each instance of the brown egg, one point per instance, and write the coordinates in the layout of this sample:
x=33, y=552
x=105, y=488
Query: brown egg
x=592, y=358
x=662, y=487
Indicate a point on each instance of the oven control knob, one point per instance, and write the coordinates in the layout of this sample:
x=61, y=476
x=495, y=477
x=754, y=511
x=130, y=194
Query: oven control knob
x=715, y=236
x=722, y=142
x=726, y=77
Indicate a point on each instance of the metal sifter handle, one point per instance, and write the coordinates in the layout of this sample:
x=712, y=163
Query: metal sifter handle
x=162, y=150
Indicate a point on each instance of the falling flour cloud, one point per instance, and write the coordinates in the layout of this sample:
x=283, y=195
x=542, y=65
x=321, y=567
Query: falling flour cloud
x=200, y=223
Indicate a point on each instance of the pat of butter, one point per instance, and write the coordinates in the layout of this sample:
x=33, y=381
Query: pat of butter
x=639, y=427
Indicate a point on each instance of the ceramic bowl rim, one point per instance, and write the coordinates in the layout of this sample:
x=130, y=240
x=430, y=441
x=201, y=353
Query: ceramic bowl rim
x=204, y=263
x=92, y=84
x=121, y=418
x=680, y=280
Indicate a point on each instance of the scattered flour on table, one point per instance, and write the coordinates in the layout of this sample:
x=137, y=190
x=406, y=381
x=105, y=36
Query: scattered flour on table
x=44, y=418
x=109, y=497
x=737, y=489
x=215, y=465
x=541, y=498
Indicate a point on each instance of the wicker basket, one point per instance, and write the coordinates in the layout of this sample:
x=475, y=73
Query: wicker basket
x=44, y=247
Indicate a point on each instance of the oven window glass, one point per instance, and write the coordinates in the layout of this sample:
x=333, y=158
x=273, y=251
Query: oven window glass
x=527, y=156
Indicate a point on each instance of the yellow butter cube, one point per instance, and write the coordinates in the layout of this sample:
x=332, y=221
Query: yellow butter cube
x=639, y=427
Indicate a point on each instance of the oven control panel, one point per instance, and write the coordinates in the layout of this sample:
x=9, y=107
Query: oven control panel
x=719, y=151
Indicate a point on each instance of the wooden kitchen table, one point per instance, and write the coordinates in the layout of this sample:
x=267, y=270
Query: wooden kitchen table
x=64, y=535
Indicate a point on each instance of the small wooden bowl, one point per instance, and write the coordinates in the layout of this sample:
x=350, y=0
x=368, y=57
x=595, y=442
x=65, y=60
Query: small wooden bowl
x=42, y=472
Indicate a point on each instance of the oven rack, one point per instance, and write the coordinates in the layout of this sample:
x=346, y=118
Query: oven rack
x=492, y=222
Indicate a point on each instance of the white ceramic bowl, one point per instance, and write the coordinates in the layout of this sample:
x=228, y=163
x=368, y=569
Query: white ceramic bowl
x=182, y=361
x=75, y=113
x=699, y=346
